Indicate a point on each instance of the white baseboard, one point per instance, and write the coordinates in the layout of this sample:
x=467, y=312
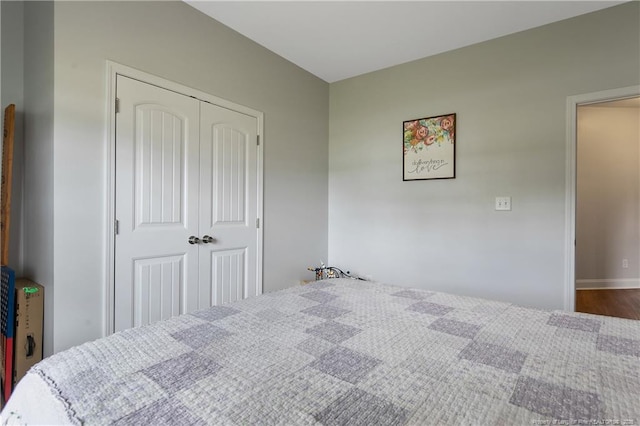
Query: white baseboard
x=612, y=283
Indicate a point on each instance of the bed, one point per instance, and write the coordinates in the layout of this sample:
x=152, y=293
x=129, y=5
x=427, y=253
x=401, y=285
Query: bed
x=343, y=351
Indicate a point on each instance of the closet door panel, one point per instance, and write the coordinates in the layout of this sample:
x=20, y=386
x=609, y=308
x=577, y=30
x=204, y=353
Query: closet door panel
x=229, y=184
x=156, y=204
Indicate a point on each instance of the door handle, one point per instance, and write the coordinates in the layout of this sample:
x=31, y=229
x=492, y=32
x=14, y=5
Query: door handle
x=31, y=345
x=207, y=239
x=194, y=240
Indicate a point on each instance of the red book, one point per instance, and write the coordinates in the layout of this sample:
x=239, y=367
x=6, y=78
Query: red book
x=7, y=328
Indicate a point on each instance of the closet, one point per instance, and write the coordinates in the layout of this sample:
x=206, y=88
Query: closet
x=186, y=204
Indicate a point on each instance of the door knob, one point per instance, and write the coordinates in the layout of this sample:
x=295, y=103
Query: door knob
x=193, y=239
x=207, y=239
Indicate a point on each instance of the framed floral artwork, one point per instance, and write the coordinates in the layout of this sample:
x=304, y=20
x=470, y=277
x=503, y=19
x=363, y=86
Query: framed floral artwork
x=429, y=148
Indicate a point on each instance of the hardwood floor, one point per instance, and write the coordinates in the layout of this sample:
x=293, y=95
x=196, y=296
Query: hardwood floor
x=614, y=303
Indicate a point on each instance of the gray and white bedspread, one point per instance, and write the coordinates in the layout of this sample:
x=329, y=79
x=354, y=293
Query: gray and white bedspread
x=352, y=352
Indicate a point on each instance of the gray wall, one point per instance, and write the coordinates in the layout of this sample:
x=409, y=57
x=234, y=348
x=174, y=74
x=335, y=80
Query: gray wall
x=38, y=251
x=510, y=95
x=27, y=82
x=176, y=42
x=13, y=93
x=608, y=196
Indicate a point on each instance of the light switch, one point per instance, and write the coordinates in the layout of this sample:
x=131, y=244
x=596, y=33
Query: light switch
x=503, y=203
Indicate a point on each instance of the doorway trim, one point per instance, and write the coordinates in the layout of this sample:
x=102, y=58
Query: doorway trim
x=573, y=102
x=113, y=69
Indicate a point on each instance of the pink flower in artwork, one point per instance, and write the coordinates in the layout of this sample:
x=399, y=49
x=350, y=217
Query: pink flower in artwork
x=431, y=139
x=421, y=133
x=447, y=123
x=410, y=125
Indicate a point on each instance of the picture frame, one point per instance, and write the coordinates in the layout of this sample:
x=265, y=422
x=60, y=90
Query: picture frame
x=429, y=148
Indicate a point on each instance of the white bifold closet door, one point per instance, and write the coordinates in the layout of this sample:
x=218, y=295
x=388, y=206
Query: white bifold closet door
x=186, y=204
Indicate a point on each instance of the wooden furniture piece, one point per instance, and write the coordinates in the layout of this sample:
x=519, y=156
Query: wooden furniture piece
x=7, y=172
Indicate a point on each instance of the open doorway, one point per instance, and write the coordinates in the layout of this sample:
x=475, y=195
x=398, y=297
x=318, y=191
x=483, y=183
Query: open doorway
x=607, y=209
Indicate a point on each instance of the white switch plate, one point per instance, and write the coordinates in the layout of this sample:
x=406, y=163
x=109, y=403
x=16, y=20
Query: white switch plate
x=503, y=203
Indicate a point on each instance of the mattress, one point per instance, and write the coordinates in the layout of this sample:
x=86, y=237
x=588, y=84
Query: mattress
x=343, y=351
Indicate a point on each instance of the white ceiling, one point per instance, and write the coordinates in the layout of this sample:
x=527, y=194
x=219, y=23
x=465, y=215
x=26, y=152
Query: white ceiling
x=335, y=40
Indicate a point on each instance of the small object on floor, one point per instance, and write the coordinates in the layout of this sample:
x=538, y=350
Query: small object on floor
x=325, y=272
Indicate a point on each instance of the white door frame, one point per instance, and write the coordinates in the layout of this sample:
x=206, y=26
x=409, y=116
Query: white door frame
x=114, y=69
x=570, y=181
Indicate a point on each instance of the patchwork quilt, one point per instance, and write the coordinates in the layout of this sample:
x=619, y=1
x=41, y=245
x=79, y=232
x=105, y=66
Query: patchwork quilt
x=347, y=352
